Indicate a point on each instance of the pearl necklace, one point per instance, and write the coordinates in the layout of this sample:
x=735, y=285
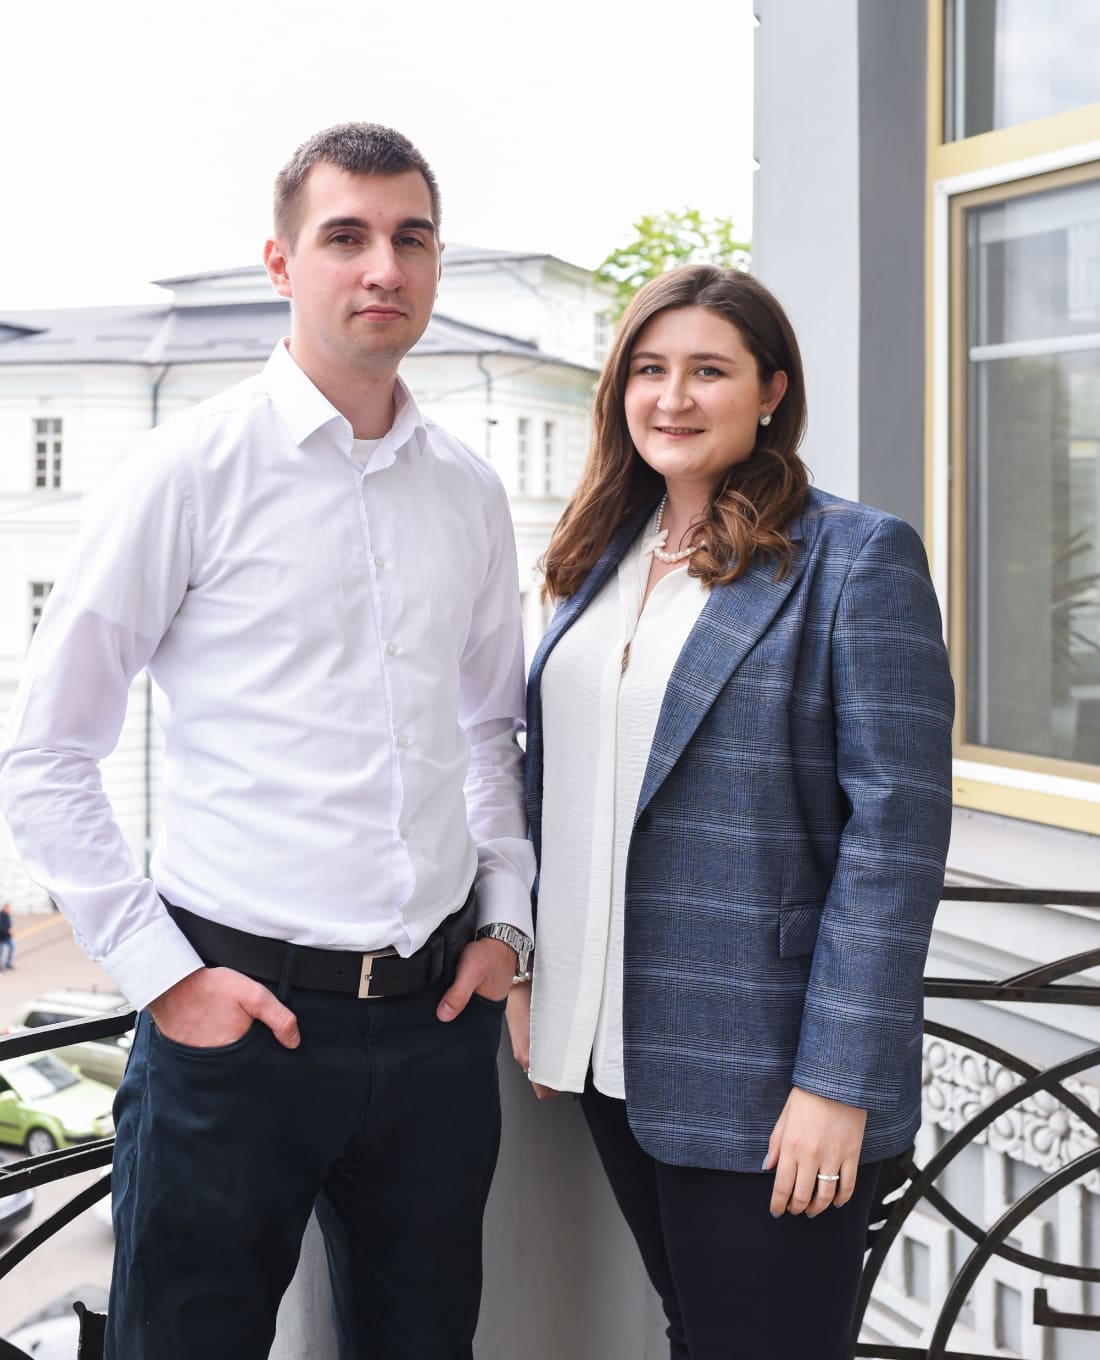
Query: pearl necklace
x=654, y=543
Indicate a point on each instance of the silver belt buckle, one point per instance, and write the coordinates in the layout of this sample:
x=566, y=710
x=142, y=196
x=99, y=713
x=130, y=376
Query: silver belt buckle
x=365, y=971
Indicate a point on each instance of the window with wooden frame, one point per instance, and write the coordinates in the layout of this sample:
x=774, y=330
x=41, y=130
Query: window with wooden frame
x=1025, y=472
x=1013, y=398
x=1010, y=62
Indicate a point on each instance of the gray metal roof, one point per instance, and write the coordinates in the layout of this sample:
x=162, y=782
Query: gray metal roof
x=9, y=331
x=460, y=254
x=238, y=331
x=456, y=254
x=146, y=334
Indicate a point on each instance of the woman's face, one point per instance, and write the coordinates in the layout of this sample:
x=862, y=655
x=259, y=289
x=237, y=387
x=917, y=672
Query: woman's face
x=694, y=398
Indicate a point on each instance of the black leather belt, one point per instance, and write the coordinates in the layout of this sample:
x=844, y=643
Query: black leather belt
x=381, y=973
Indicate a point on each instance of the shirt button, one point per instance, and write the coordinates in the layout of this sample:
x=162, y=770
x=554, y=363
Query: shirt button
x=402, y=740
x=391, y=649
x=379, y=561
x=404, y=833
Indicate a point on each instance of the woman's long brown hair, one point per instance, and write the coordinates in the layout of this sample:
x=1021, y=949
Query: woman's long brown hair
x=755, y=501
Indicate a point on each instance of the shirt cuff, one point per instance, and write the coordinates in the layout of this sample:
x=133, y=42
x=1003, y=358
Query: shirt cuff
x=151, y=960
x=502, y=897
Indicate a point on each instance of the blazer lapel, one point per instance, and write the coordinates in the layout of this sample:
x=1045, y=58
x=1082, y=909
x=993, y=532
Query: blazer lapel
x=732, y=621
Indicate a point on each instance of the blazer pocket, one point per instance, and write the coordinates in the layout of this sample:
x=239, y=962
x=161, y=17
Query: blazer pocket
x=798, y=927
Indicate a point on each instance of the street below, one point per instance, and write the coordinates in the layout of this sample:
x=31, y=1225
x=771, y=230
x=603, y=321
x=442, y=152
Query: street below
x=47, y=959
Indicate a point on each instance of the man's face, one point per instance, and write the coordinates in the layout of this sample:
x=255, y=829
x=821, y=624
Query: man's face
x=362, y=273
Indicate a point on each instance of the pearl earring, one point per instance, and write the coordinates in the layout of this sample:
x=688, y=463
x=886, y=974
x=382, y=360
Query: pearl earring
x=765, y=417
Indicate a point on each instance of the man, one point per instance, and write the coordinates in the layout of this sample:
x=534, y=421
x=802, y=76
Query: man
x=324, y=588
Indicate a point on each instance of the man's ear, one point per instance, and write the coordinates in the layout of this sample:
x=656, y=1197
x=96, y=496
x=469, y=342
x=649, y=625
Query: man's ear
x=277, y=262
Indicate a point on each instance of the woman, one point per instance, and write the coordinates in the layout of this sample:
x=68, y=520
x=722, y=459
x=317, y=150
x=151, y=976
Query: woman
x=739, y=789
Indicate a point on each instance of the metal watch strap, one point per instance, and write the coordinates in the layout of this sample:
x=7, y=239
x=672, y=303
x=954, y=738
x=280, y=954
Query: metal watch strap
x=515, y=939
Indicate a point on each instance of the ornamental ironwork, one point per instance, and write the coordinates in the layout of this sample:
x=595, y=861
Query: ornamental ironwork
x=978, y=1093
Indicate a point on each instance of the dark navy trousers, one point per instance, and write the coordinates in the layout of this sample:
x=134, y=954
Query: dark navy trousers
x=735, y=1283
x=384, y=1118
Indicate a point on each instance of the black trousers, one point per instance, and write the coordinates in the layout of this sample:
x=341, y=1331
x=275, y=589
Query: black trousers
x=386, y=1118
x=736, y=1284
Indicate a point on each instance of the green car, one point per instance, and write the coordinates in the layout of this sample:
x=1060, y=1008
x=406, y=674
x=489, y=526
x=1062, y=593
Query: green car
x=45, y=1105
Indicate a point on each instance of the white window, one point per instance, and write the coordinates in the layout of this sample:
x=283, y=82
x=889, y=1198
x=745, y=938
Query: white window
x=602, y=335
x=39, y=593
x=548, y=443
x=523, y=443
x=47, y=451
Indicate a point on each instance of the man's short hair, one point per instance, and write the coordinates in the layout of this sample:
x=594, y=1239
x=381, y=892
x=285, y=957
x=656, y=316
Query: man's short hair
x=358, y=148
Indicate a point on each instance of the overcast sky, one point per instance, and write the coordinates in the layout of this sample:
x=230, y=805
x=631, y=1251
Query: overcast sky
x=140, y=139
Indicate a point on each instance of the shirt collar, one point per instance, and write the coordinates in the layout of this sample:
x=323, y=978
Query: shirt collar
x=305, y=409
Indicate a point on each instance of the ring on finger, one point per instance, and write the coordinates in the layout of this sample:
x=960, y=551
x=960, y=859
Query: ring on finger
x=821, y=1176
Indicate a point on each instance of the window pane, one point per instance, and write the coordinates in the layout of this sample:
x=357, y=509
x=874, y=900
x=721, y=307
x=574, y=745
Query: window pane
x=39, y=592
x=522, y=429
x=547, y=457
x=1033, y=475
x=1037, y=267
x=1010, y=61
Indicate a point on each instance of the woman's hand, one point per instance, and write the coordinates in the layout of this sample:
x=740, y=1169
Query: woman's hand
x=814, y=1135
x=518, y=1015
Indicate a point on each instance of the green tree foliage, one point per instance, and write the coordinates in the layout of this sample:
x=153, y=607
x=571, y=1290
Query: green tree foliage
x=666, y=239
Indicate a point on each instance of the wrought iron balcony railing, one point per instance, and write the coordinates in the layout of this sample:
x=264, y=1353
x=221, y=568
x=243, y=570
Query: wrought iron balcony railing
x=31, y=1172
x=912, y=1187
x=907, y=1189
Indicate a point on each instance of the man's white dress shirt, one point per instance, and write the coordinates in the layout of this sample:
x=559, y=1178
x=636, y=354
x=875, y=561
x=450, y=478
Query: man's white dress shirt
x=337, y=659
x=598, y=725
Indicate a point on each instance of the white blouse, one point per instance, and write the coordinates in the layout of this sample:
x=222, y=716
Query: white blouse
x=599, y=719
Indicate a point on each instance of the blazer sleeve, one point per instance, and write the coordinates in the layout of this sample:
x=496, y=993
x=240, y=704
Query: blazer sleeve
x=893, y=704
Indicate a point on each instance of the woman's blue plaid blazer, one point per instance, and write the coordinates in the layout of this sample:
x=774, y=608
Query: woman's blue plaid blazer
x=789, y=844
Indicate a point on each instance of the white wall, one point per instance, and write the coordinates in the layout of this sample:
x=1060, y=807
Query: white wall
x=806, y=228
x=544, y=300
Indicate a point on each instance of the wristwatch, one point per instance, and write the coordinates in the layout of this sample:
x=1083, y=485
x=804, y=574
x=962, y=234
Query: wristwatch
x=515, y=939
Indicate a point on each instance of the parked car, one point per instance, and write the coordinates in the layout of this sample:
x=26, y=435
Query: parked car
x=44, y=1104
x=101, y=1059
x=55, y=1338
x=53, y=1333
